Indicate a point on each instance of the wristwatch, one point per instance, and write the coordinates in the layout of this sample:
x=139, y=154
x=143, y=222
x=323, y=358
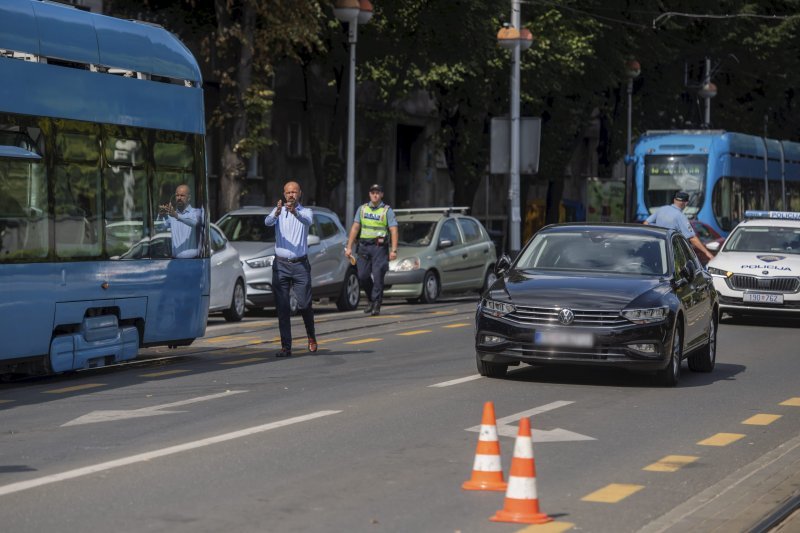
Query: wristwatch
x=394, y=251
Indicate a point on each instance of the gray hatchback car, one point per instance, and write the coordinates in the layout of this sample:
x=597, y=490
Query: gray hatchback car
x=332, y=276
x=441, y=250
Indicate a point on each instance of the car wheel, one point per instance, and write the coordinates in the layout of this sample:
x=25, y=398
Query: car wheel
x=488, y=279
x=351, y=292
x=235, y=312
x=671, y=374
x=490, y=370
x=704, y=359
x=430, y=288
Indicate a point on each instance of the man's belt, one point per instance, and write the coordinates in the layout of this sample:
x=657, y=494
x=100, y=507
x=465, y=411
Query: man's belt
x=371, y=241
x=291, y=260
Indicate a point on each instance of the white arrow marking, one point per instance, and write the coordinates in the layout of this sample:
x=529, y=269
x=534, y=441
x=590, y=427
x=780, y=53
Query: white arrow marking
x=110, y=416
x=537, y=435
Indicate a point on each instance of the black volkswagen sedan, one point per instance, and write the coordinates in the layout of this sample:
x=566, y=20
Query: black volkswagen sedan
x=623, y=295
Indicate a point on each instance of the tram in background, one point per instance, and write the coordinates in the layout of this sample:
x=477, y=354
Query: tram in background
x=724, y=173
x=100, y=120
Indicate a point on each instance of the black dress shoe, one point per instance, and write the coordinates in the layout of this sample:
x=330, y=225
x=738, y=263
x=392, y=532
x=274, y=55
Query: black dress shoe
x=284, y=353
x=369, y=308
x=376, y=309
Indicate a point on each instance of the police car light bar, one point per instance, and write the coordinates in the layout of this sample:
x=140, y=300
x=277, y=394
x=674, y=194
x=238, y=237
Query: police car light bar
x=780, y=215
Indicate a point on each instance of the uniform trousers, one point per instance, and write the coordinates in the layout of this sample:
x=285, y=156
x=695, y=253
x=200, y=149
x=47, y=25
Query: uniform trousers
x=292, y=276
x=373, y=263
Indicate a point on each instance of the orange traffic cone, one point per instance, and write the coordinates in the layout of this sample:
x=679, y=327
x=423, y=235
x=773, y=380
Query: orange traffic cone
x=487, y=472
x=522, y=503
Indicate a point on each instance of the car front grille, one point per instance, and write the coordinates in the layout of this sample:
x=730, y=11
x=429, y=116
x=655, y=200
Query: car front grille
x=744, y=282
x=583, y=317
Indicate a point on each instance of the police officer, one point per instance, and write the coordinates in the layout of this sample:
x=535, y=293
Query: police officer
x=671, y=216
x=373, y=224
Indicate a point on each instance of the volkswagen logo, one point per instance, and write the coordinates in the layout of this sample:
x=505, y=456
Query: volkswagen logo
x=566, y=316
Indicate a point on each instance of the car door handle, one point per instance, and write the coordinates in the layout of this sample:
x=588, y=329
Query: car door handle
x=464, y=255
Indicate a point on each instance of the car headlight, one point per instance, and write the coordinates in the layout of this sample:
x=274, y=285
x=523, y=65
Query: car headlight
x=407, y=264
x=497, y=309
x=719, y=272
x=647, y=315
x=261, y=262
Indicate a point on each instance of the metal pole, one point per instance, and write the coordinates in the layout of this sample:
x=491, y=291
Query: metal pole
x=351, y=127
x=513, y=190
x=629, y=199
x=706, y=81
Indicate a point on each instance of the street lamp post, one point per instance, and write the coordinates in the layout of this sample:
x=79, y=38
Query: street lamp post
x=515, y=39
x=352, y=13
x=632, y=68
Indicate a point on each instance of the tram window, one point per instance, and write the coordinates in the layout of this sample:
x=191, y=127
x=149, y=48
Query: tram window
x=125, y=186
x=76, y=190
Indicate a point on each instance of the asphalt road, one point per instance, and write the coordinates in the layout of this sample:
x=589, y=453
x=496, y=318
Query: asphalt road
x=377, y=432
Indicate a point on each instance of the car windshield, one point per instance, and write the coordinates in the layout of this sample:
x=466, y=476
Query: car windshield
x=764, y=240
x=246, y=228
x=597, y=251
x=415, y=233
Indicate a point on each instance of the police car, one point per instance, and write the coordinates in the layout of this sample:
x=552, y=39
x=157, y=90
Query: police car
x=758, y=268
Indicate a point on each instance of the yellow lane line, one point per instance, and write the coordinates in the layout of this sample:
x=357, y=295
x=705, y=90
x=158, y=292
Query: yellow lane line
x=549, y=527
x=449, y=326
x=792, y=402
x=6, y=401
x=612, y=493
x=75, y=388
x=164, y=373
x=443, y=313
x=415, y=332
x=721, y=439
x=671, y=463
x=243, y=361
x=364, y=341
x=388, y=316
x=761, y=420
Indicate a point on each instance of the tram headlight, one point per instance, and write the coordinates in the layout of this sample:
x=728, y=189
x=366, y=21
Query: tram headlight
x=261, y=262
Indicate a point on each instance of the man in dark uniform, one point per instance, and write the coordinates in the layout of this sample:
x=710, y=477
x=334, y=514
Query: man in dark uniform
x=374, y=224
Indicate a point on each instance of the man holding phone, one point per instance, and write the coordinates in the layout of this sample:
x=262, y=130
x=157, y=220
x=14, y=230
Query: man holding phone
x=184, y=222
x=291, y=268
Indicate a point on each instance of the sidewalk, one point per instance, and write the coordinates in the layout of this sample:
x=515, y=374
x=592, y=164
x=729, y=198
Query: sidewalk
x=756, y=499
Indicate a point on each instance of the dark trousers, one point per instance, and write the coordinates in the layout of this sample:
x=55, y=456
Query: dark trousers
x=373, y=263
x=294, y=277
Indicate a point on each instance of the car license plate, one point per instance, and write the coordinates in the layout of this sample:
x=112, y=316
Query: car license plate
x=560, y=338
x=763, y=298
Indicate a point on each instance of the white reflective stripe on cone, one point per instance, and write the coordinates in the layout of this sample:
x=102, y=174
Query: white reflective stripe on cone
x=487, y=463
x=523, y=448
x=521, y=488
x=488, y=433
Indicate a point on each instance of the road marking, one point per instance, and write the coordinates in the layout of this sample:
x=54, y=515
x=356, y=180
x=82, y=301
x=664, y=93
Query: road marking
x=243, y=361
x=456, y=381
x=450, y=326
x=549, y=527
x=388, y=316
x=537, y=435
x=671, y=463
x=612, y=493
x=363, y=341
x=443, y=313
x=415, y=332
x=164, y=373
x=721, y=439
x=110, y=416
x=792, y=402
x=75, y=388
x=6, y=401
x=761, y=420
x=147, y=456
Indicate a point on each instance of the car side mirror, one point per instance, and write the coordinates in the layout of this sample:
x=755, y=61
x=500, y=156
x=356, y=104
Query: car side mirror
x=502, y=265
x=312, y=240
x=445, y=243
x=713, y=246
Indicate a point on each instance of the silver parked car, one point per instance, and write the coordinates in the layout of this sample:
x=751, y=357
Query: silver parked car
x=332, y=276
x=441, y=249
